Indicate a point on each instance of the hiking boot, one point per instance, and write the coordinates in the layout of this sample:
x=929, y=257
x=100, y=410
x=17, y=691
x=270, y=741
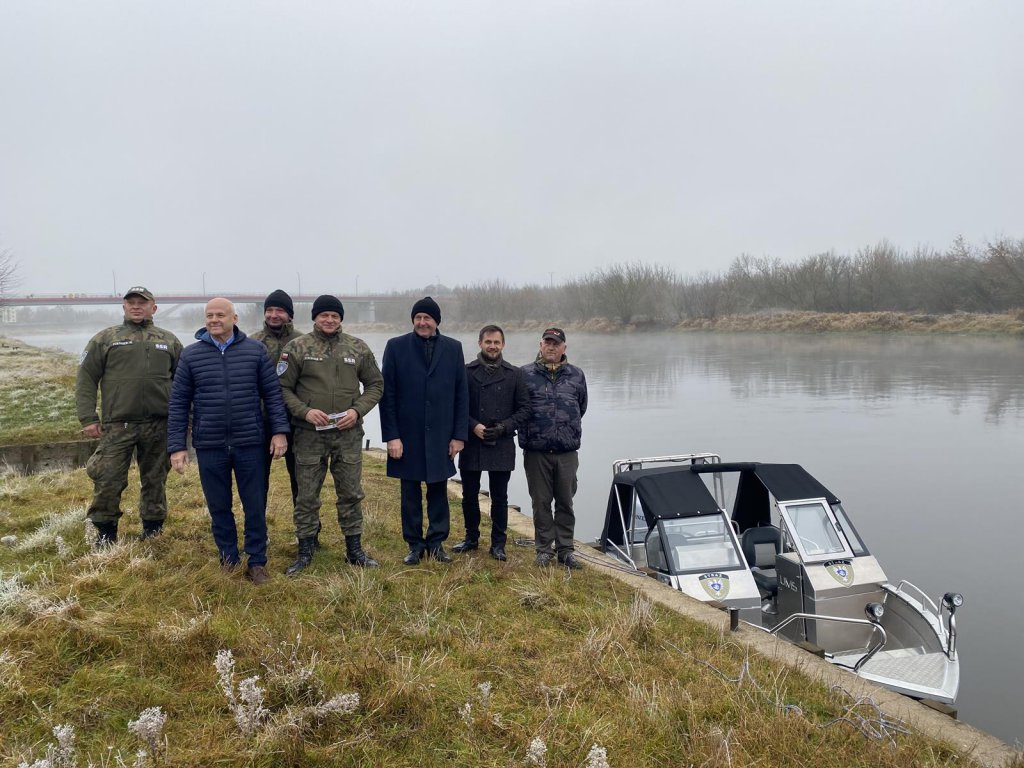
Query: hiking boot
x=257, y=574
x=543, y=559
x=570, y=561
x=151, y=528
x=355, y=553
x=440, y=555
x=466, y=545
x=303, y=558
x=498, y=553
x=106, y=534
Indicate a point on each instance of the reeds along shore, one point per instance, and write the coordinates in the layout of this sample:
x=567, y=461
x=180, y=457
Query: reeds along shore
x=148, y=647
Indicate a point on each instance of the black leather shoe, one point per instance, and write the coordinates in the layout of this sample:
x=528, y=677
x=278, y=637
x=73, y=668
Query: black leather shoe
x=466, y=545
x=151, y=528
x=440, y=555
x=498, y=553
x=413, y=558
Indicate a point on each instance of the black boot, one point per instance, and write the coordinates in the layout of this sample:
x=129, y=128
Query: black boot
x=106, y=534
x=304, y=557
x=466, y=545
x=355, y=554
x=151, y=528
x=316, y=538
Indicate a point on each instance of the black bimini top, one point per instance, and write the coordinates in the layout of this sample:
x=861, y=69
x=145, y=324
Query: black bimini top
x=667, y=493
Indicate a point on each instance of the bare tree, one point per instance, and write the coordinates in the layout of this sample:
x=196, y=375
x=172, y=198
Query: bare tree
x=9, y=277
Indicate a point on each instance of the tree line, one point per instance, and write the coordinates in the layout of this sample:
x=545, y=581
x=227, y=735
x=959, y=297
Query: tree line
x=881, y=277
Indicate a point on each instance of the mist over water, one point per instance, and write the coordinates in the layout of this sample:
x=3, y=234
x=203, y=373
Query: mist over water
x=921, y=437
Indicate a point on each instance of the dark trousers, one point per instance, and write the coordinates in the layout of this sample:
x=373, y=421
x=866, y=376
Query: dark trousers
x=289, y=461
x=412, y=515
x=498, y=482
x=552, y=477
x=215, y=468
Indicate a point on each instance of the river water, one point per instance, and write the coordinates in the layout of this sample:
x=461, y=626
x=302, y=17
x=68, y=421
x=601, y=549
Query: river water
x=921, y=437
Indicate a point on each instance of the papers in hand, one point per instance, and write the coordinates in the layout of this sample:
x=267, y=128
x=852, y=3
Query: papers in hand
x=334, y=419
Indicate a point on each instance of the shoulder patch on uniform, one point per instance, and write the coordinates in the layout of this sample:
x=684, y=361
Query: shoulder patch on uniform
x=85, y=354
x=282, y=366
x=160, y=346
x=350, y=360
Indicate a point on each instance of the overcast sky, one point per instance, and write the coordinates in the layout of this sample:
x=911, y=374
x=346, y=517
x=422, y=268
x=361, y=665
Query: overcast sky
x=388, y=145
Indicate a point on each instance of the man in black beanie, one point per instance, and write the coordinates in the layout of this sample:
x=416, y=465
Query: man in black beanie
x=330, y=381
x=277, y=331
x=424, y=419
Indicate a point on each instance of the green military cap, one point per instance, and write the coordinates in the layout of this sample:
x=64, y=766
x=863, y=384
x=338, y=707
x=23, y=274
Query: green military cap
x=138, y=290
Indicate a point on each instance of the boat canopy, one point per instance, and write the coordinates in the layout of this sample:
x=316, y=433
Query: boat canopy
x=665, y=493
x=668, y=493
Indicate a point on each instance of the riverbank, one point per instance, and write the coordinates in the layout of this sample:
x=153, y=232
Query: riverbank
x=478, y=662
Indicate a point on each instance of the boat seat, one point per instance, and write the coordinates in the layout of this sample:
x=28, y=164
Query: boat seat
x=760, y=547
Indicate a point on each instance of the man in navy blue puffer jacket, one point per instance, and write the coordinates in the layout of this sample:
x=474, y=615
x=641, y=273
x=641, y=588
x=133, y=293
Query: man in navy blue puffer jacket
x=222, y=379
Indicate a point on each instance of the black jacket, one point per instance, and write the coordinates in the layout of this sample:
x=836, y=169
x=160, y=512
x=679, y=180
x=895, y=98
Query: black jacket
x=498, y=397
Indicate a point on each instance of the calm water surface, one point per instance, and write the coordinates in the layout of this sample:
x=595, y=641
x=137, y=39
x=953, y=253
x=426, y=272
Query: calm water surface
x=920, y=437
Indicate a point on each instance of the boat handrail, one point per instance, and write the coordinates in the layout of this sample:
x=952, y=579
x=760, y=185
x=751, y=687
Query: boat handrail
x=926, y=602
x=841, y=620
x=709, y=458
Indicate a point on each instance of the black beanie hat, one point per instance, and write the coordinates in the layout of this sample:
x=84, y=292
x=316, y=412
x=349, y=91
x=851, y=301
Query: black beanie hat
x=427, y=306
x=280, y=299
x=328, y=303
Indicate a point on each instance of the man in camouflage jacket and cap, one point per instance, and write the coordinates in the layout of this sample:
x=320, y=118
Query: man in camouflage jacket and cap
x=132, y=364
x=550, y=440
x=277, y=331
x=330, y=381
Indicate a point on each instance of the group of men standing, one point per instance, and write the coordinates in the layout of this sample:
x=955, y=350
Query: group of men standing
x=243, y=397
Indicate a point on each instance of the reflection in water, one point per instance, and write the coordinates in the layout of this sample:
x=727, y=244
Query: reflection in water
x=919, y=436
x=647, y=369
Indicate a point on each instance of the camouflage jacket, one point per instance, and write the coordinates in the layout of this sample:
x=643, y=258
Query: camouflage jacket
x=558, y=401
x=325, y=372
x=275, y=341
x=132, y=364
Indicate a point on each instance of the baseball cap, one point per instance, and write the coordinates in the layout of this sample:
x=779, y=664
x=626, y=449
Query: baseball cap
x=554, y=333
x=138, y=290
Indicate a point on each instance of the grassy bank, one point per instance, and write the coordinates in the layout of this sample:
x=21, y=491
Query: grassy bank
x=470, y=663
x=37, y=394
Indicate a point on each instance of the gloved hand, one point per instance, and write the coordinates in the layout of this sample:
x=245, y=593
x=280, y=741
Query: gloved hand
x=493, y=433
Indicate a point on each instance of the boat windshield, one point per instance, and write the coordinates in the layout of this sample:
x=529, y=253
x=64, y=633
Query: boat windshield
x=814, y=528
x=700, y=544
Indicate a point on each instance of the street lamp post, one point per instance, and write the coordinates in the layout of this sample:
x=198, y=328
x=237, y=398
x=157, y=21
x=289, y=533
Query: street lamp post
x=299, y=276
x=204, y=285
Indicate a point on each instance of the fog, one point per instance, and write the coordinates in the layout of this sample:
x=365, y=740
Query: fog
x=365, y=147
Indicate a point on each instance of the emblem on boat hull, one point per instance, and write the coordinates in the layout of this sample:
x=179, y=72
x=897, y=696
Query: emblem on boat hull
x=841, y=571
x=715, y=584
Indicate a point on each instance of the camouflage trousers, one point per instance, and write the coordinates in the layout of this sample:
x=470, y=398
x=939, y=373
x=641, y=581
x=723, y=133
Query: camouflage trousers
x=341, y=451
x=109, y=464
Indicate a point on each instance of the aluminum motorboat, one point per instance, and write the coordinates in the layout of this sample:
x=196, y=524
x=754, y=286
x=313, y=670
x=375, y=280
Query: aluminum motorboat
x=787, y=558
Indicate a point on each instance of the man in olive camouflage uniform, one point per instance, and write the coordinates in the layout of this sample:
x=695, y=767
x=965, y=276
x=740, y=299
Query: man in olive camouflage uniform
x=330, y=381
x=132, y=364
x=278, y=330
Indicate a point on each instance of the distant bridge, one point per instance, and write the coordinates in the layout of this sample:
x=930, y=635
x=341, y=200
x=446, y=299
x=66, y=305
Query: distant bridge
x=360, y=309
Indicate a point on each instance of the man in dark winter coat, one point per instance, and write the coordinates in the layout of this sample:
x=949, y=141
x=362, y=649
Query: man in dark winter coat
x=550, y=441
x=424, y=419
x=226, y=380
x=498, y=406
x=277, y=331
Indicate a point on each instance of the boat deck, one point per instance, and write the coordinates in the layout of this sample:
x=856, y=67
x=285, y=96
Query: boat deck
x=911, y=671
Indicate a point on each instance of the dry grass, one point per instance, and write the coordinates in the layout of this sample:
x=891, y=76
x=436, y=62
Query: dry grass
x=466, y=663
